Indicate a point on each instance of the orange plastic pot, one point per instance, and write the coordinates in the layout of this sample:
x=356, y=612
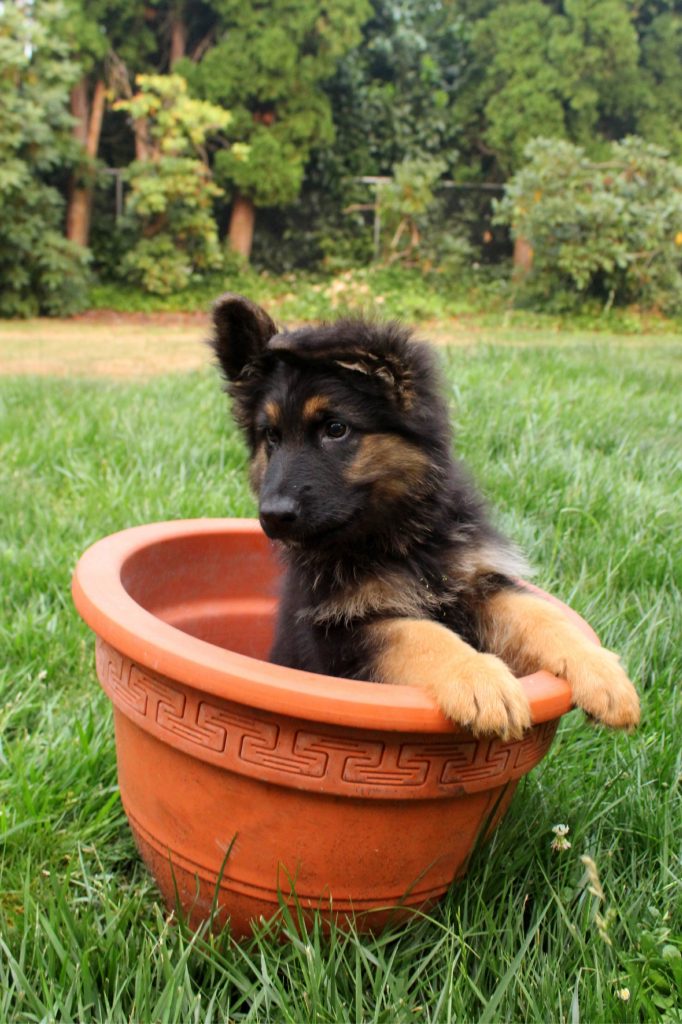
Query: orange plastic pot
x=242, y=779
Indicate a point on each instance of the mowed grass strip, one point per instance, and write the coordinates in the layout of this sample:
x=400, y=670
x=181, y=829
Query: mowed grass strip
x=578, y=447
x=111, y=345
x=107, y=344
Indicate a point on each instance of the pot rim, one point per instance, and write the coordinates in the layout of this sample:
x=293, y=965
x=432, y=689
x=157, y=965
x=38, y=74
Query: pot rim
x=110, y=611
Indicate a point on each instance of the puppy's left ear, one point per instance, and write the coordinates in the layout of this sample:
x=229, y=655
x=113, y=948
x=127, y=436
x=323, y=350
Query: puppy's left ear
x=241, y=332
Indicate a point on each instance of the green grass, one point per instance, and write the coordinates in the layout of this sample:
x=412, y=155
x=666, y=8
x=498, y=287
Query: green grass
x=579, y=449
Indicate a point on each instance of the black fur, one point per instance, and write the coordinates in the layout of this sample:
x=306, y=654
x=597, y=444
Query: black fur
x=362, y=538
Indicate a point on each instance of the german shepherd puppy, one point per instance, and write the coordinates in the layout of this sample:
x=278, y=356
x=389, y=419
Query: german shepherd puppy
x=393, y=570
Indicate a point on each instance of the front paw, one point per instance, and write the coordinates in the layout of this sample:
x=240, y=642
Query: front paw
x=483, y=695
x=602, y=689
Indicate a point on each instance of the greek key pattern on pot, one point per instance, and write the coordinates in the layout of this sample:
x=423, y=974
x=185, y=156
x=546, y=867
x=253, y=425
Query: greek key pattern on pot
x=283, y=751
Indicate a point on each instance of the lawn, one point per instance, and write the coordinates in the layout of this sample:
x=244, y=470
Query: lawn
x=576, y=441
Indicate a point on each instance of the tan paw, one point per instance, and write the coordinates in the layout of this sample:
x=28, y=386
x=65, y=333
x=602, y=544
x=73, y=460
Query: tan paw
x=602, y=689
x=482, y=694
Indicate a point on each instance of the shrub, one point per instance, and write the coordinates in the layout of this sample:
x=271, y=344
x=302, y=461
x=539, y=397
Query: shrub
x=40, y=271
x=411, y=218
x=170, y=205
x=611, y=227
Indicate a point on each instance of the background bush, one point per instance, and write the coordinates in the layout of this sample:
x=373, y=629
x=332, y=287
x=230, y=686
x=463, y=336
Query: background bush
x=40, y=271
x=171, y=195
x=366, y=89
x=611, y=228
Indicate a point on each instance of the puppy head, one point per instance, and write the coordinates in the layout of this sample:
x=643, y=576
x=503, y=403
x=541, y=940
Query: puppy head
x=345, y=422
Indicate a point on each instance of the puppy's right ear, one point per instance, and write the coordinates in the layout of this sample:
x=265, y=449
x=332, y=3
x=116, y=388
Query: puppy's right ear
x=241, y=331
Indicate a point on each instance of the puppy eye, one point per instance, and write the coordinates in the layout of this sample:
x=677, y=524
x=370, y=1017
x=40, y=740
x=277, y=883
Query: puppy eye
x=271, y=436
x=335, y=430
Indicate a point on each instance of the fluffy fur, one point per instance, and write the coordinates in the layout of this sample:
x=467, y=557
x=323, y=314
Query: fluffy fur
x=394, y=572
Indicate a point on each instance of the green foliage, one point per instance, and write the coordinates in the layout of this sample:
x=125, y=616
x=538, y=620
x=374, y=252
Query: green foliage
x=319, y=97
x=590, y=71
x=171, y=195
x=40, y=271
x=267, y=68
x=406, y=207
x=273, y=172
x=391, y=98
x=408, y=293
x=659, y=120
x=612, y=227
x=95, y=28
x=178, y=124
x=409, y=195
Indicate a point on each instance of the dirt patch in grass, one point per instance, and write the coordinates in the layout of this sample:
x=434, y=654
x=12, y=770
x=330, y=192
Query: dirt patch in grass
x=106, y=344
x=112, y=316
x=127, y=345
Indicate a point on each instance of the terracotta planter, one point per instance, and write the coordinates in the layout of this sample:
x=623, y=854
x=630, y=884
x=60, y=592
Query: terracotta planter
x=240, y=778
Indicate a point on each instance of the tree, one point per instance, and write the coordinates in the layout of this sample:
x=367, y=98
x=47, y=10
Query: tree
x=172, y=191
x=103, y=36
x=267, y=66
x=41, y=272
x=659, y=25
x=392, y=96
x=567, y=70
x=391, y=99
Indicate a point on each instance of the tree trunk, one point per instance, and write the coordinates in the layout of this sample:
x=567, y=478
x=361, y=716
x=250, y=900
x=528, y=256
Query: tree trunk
x=80, y=109
x=178, y=40
x=242, y=222
x=96, y=118
x=143, y=145
x=87, y=130
x=523, y=257
x=78, y=215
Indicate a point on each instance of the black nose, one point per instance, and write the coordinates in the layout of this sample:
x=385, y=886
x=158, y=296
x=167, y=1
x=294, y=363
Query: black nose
x=279, y=516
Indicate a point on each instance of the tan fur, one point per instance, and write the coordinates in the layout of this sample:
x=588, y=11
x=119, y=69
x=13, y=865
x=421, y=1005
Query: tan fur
x=273, y=413
x=491, y=558
x=393, y=466
x=391, y=593
x=357, y=366
x=474, y=690
x=529, y=634
x=314, y=407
